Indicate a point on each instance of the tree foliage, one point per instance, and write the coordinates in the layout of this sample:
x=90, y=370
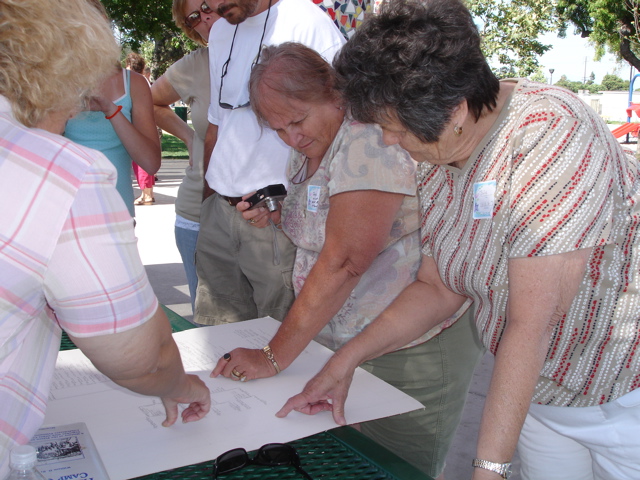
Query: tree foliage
x=612, y=25
x=613, y=82
x=538, y=76
x=140, y=22
x=609, y=83
x=510, y=31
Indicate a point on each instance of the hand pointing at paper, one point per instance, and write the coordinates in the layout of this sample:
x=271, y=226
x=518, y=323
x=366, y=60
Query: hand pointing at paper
x=327, y=391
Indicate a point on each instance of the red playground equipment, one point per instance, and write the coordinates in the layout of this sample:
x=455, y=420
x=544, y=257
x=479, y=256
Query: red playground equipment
x=629, y=128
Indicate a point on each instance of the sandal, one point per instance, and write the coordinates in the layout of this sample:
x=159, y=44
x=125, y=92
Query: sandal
x=142, y=201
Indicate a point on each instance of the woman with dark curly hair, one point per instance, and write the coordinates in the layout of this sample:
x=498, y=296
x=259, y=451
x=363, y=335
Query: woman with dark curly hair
x=530, y=209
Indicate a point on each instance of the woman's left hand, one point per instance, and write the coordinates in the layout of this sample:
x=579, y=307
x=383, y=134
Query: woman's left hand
x=247, y=363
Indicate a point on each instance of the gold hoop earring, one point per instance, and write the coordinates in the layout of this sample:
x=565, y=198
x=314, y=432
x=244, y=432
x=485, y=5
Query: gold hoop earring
x=457, y=130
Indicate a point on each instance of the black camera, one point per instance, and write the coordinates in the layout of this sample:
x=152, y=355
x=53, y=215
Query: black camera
x=268, y=196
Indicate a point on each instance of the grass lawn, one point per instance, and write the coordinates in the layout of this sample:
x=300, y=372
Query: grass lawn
x=173, y=147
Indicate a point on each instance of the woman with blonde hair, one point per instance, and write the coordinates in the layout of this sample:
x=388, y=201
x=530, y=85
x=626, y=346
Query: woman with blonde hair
x=68, y=256
x=34, y=84
x=188, y=80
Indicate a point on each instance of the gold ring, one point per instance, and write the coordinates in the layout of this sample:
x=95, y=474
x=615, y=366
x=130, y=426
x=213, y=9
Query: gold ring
x=243, y=378
x=235, y=374
x=227, y=356
x=251, y=221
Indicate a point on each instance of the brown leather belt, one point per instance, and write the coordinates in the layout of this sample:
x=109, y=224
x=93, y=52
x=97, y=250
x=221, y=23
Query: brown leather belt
x=233, y=201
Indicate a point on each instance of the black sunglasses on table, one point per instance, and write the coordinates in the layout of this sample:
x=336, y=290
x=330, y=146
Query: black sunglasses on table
x=193, y=19
x=269, y=455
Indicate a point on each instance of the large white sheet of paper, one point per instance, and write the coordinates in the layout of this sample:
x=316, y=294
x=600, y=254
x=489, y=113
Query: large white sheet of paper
x=126, y=427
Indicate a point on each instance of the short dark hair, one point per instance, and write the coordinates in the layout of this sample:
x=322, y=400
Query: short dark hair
x=416, y=61
x=294, y=71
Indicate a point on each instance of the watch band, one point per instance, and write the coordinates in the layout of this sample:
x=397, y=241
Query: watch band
x=269, y=354
x=502, y=469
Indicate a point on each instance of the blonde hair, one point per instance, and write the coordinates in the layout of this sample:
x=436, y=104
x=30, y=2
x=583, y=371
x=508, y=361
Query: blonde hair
x=177, y=11
x=52, y=54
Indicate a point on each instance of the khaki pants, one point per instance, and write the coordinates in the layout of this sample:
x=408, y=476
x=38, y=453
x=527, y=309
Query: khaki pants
x=244, y=272
x=437, y=373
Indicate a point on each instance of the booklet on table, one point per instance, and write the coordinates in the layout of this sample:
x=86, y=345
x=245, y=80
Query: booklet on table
x=67, y=452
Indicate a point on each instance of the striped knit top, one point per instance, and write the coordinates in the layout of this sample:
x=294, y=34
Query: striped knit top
x=547, y=179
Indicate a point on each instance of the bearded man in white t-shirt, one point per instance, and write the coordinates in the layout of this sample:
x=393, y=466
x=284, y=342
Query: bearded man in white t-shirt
x=245, y=272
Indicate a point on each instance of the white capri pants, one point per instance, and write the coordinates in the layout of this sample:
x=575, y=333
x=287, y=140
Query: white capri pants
x=587, y=443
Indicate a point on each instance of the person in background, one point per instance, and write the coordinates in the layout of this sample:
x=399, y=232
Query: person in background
x=119, y=122
x=68, y=256
x=245, y=272
x=530, y=208
x=136, y=63
x=188, y=80
x=358, y=247
x=147, y=74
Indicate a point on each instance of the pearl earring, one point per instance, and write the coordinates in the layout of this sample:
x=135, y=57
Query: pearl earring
x=457, y=130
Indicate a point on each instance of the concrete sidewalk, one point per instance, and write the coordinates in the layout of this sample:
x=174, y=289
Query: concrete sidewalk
x=156, y=243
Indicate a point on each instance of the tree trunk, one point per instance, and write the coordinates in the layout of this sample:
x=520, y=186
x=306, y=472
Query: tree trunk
x=625, y=45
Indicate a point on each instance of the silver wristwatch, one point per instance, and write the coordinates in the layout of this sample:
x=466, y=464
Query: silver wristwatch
x=502, y=469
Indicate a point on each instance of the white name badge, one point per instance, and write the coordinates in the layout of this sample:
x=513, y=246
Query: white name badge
x=313, y=197
x=484, y=197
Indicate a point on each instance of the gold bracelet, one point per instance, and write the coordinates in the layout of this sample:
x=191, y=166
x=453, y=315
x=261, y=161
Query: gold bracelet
x=269, y=354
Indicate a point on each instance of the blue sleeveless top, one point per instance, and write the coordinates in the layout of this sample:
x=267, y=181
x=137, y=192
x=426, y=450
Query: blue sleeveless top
x=92, y=130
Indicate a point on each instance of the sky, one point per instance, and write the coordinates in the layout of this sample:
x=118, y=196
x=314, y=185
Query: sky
x=567, y=57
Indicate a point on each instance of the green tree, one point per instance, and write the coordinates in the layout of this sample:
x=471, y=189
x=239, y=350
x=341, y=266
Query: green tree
x=613, y=82
x=569, y=84
x=538, y=76
x=510, y=31
x=140, y=22
x=612, y=25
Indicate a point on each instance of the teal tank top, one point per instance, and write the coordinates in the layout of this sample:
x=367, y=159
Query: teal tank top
x=92, y=130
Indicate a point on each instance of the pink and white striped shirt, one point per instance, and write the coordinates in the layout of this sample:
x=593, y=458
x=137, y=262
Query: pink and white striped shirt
x=68, y=258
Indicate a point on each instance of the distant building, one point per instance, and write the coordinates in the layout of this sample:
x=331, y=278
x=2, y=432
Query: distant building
x=611, y=106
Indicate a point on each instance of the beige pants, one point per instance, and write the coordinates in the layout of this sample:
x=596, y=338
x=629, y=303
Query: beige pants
x=244, y=272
